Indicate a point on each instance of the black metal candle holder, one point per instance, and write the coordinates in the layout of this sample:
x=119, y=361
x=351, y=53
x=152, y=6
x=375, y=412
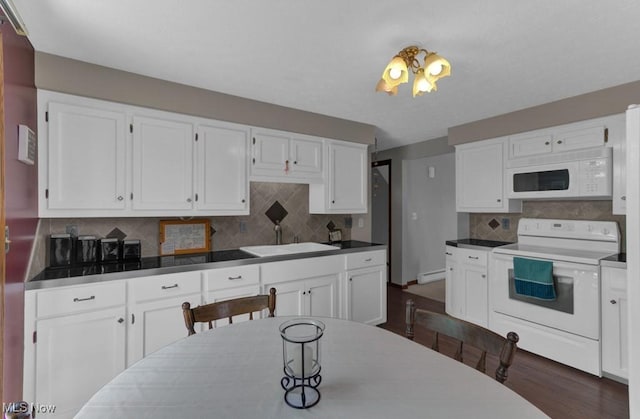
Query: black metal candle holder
x=301, y=359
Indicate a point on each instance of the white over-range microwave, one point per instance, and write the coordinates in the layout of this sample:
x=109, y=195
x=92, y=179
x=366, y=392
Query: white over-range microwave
x=580, y=174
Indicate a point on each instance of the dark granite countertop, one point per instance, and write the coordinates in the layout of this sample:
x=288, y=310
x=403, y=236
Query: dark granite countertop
x=618, y=260
x=157, y=265
x=470, y=243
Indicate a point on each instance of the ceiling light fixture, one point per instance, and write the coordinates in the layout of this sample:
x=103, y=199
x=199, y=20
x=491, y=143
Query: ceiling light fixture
x=397, y=72
x=12, y=15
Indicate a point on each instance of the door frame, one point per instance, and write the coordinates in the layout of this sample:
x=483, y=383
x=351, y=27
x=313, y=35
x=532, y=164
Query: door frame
x=374, y=164
x=3, y=239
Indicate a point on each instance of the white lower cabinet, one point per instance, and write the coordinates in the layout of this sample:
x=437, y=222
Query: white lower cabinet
x=365, y=292
x=615, y=342
x=77, y=338
x=155, y=311
x=75, y=346
x=316, y=296
x=228, y=283
x=467, y=274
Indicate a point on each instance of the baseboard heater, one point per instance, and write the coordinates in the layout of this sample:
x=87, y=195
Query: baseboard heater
x=426, y=277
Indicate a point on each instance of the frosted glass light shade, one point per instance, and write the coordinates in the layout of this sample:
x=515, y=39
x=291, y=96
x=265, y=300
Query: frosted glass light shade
x=382, y=86
x=422, y=84
x=436, y=66
x=398, y=68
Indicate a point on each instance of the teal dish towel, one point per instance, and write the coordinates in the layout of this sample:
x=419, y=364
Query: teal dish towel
x=534, y=278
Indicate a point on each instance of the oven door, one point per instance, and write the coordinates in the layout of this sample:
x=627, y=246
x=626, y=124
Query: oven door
x=575, y=310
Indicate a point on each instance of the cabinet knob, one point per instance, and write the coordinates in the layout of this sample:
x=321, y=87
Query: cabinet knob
x=448, y=253
x=546, y=143
x=451, y=269
x=350, y=279
x=120, y=198
x=624, y=198
x=499, y=200
x=244, y=200
x=120, y=320
x=188, y=199
x=613, y=302
x=304, y=293
x=483, y=275
x=333, y=201
x=559, y=141
x=295, y=162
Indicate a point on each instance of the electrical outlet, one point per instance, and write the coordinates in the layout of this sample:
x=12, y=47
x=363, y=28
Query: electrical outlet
x=506, y=223
x=243, y=226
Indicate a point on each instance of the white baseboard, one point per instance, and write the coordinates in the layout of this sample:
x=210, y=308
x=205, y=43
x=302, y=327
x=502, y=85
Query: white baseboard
x=426, y=277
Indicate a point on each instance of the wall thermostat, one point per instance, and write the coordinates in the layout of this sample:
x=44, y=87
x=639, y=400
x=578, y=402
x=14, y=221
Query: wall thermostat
x=26, y=145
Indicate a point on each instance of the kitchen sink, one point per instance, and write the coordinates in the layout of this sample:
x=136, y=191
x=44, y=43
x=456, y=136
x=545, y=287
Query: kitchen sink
x=287, y=249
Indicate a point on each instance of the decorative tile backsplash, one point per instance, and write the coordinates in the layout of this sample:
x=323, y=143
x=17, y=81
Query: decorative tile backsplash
x=230, y=232
x=504, y=227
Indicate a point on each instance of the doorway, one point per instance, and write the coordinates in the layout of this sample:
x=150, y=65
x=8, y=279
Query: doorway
x=381, y=207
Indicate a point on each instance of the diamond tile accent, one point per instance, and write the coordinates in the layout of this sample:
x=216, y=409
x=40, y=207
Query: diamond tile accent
x=331, y=226
x=494, y=223
x=116, y=233
x=276, y=212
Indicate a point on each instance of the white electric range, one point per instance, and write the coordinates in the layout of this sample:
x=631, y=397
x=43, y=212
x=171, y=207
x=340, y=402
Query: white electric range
x=566, y=329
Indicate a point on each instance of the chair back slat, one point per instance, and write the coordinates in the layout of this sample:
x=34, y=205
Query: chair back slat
x=208, y=313
x=465, y=333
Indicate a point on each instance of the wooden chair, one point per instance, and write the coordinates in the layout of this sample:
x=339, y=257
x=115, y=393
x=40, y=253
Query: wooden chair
x=464, y=332
x=227, y=309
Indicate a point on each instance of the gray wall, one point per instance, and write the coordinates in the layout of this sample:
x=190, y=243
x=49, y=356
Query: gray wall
x=429, y=217
x=610, y=101
x=80, y=78
x=397, y=155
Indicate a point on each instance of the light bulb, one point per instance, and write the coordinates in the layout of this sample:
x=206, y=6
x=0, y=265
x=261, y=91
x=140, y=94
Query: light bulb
x=395, y=73
x=435, y=68
x=423, y=85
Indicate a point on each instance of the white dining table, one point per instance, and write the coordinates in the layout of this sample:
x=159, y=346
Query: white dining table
x=234, y=372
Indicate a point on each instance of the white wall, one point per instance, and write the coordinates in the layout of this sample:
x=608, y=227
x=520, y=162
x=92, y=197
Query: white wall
x=429, y=214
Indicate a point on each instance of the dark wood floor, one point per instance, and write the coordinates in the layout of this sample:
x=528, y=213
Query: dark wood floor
x=559, y=391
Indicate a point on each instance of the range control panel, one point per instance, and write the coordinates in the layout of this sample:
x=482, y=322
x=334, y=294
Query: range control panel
x=569, y=229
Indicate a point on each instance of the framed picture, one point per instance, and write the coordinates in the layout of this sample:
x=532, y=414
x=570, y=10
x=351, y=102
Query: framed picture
x=178, y=237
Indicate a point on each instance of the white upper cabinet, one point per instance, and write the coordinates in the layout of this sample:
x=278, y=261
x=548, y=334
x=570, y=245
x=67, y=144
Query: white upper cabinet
x=105, y=159
x=162, y=164
x=575, y=136
x=345, y=187
x=278, y=156
x=87, y=148
x=480, y=185
x=222, y=171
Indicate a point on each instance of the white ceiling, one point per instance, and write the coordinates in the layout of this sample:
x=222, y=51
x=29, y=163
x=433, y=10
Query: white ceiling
x=327, y=56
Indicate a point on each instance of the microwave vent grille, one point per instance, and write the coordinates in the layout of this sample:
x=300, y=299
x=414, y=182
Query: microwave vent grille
x=590, y=153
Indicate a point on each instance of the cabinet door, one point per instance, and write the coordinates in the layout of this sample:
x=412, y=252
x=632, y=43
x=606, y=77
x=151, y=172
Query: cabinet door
x=229, y=294
x=86, y=158
x=450, y=278
x=576, y=138
x=306, y=157
x=223, y=182
x=458, y=293
x=76, y=355
x=529, y=144
x=162, y=164
x=270, y=153
x=155, y=324
x=321, y=296
x=347, y=178
x=366, y=296
x=615, y=342
x=479, y=178
x=476, y=294
x=618, y=140
x=290, y=300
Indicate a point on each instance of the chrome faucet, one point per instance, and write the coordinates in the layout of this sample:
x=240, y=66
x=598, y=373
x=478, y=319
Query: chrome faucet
x=278, y=230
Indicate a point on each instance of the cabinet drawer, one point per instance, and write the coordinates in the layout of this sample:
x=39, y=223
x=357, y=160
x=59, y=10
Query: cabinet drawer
x=68, y=300
x=163, y=286
x=472, y=257
x=364, y=259
x=237, y=276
